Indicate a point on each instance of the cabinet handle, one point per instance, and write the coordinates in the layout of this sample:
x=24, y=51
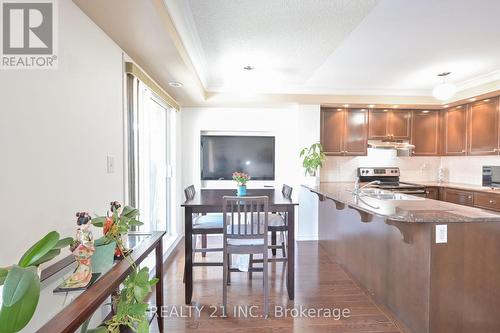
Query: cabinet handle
x=470, y=197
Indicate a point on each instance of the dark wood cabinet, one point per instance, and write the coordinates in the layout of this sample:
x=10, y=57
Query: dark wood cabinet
x=392, y=124
x=432, y=193
x=483, y=134
x=455, y=131
x=487, y=200
x=425, y=133
x=460, y=197
x=344, y=131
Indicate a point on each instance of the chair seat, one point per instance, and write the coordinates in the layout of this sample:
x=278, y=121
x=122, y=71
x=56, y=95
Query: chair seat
x=212, y=221
x=235, y=242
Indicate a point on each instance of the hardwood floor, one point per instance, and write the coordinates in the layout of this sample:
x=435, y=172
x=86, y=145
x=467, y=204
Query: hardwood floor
x=320, y=283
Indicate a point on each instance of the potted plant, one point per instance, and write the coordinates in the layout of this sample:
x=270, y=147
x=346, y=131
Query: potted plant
x=241, y=179
x=20, y=283
x=131, y=307
x=313, y=158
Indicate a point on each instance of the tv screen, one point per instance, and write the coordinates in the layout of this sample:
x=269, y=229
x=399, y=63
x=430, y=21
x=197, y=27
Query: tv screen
x=222, y=155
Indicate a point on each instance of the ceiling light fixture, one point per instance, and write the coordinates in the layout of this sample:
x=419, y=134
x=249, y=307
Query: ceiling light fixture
x=425, y=111
x=447, y=105
x=339, y=109
x=486, y=100
x=371, y=106
x=346, y=105
x=473, y=99
x=395, y=106
x=444, y=91
x=248, y=68
x=175, y=84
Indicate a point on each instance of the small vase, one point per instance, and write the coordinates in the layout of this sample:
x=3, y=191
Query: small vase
x=242, y=190
x=103, y=257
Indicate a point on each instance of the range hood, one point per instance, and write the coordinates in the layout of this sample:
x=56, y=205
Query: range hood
x=390, y=144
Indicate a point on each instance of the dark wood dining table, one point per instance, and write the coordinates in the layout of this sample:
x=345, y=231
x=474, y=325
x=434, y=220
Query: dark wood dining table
x=210, y=201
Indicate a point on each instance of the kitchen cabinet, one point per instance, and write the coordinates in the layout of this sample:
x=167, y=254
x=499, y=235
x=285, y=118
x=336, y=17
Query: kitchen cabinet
x=432, y=193
x=425, y=133
x=460, y=197
x=487, y=200
x=455, y=131
x=344, y=131
x=389, y=124
x=483, y=134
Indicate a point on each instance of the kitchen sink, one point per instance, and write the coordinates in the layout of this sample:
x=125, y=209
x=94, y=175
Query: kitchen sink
x=387, y=195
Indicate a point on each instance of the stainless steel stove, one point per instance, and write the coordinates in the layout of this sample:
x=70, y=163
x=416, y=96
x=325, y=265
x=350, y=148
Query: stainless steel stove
x=389, y=180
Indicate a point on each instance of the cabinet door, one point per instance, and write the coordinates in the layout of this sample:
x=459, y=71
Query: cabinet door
x=355, y=139
x=458, y=196
x=332, y=131
x=425, y=133
x=400, y=124
x=483, y=127
x=487, y=200
x=378, y=124
x=432, y=193
x=455, y=131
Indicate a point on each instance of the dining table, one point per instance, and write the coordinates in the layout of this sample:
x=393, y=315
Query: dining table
x=210, y=201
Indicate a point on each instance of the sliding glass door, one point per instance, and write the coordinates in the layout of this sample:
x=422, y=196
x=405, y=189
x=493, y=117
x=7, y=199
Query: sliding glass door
x=150, y=159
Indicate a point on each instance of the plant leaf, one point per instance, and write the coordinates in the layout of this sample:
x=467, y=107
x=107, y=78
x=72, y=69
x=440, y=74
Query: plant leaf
x=3, y=275
x=130, y=212
x=65, y=242
x=39, y=249
x=135, y=222
x=143, y=327
x=17, y=284
x=47, y=257
x=98, y=221
x=100, y=329
x=16, y=317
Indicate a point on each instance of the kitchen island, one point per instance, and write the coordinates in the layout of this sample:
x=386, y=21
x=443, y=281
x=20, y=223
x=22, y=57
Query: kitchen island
x=435, y=265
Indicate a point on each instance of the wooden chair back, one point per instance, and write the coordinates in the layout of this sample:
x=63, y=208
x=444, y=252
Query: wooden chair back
x=245, y=217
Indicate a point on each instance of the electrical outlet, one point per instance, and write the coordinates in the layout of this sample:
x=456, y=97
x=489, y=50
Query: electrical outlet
x=110, y=164
x=441, y=233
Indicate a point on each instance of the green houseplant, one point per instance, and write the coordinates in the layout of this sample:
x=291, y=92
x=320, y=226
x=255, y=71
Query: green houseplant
x=131, y=307
x=21, y=282
x=313, y=159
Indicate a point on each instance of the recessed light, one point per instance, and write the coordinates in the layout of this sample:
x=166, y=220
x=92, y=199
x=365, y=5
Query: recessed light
x=459, y=107
x=363, y=109
x=425, y=111
x=371, y=106
x=175, y=84
x=447, y=106
x=473, y=99
x=487, y=100
x=385, y=110
x=339, y=109
x=248, y=68
x=346, y=105
x=395, y=106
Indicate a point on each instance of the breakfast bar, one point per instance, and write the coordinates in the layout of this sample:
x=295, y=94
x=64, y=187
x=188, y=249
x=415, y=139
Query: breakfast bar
x=433, y=265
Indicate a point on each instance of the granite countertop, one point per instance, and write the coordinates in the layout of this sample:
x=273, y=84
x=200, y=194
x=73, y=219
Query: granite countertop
x=414, y=210
x=460, y=186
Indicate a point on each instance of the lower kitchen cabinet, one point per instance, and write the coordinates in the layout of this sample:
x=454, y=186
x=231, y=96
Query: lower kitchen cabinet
x=460, y=197
x=432, y=193
x=487, y=200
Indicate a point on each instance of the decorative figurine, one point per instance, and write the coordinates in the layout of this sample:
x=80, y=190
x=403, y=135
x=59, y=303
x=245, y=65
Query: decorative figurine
x=82, y=249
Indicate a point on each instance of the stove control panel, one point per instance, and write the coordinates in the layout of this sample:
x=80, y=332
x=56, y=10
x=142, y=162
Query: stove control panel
x=378, y=172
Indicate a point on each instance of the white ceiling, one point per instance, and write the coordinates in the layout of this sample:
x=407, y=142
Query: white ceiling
x=363, y=47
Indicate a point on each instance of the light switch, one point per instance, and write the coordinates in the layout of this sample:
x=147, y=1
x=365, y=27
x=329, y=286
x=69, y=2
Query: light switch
x=110, y=164
x=441, y=233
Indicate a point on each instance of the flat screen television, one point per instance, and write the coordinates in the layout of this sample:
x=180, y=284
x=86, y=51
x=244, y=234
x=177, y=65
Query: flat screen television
x=221, y=155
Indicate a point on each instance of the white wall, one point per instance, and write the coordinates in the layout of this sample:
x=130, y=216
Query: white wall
x=56, y=128
x=293, y=127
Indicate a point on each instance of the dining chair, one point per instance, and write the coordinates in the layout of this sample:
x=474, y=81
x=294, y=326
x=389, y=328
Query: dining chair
x=204, y=225
x=245, y=232
x=278, y=223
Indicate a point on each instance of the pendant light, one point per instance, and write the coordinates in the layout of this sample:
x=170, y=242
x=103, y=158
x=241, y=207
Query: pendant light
x=444, y=91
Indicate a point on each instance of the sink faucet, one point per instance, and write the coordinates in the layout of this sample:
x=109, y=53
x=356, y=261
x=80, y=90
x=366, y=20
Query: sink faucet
x=357, y=188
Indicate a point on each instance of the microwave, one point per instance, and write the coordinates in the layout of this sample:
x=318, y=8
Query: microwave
x=491, y=176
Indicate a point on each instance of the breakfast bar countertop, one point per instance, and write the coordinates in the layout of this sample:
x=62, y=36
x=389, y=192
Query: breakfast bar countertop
x=411, y=209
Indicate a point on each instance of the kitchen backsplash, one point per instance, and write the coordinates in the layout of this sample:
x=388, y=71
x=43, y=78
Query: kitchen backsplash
x=457, y=169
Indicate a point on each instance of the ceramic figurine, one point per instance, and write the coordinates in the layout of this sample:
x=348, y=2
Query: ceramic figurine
x=82, y=249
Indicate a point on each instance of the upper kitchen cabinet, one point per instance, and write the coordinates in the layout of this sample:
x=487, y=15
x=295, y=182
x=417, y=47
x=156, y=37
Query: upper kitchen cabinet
x=483, y=127
x=425, y=133
x=455, y=131
x=389, y=124
x=344, y=131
